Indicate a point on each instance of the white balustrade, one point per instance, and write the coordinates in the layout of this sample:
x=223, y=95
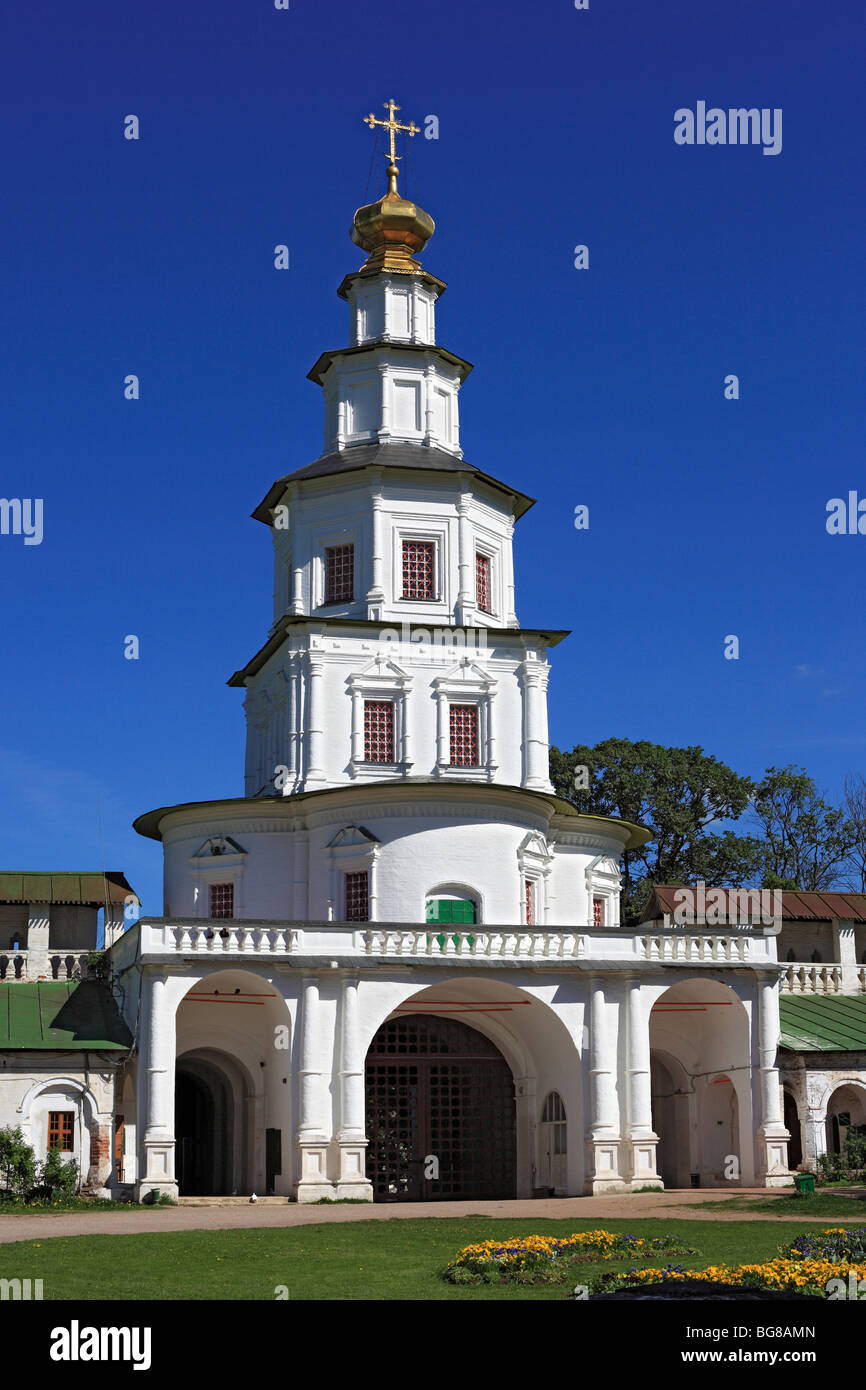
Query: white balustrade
x=809, y=978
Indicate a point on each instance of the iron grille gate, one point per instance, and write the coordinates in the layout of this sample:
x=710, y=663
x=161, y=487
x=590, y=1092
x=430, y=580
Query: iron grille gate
x=436, y=1087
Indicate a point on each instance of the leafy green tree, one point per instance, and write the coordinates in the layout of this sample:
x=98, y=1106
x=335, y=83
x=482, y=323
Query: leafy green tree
x=806, y=841
x=682, y=795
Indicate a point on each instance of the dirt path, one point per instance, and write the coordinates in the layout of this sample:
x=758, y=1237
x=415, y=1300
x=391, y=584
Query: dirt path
x=239, y=1214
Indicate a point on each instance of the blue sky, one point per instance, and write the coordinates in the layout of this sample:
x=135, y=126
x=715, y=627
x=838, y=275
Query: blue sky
x=602, y=387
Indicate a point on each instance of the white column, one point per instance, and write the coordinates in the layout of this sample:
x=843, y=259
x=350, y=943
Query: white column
x=376, y=592
x=385, y=403
x=536, y=773
x=466, y=558
x=640, y=1130
x=772, y=1136
x=312, y=1144
x=492, y=764
x=508, y=563
x=429, y=417
x=357, y=727
x=404, y=712
x=156, y=1080
x=845, y=952
x=603, y=1134
x=315, y=773
x=352, y=1138
x=38, y=917
x=443, y=753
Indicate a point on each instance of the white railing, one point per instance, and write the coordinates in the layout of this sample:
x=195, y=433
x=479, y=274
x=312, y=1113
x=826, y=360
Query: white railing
x=158, y=937
x=56, y=964
x=216, y=939
x=694, y=946
x=802, y=978
x=474, y=944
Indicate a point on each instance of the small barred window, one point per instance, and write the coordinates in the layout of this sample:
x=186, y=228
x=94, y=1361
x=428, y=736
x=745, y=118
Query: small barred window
x=357, y=897
x=482, y=582
x=222, y=900
x=598, y=912
x=339, y=573
x=464, y=735
x=530, y=915
x=418, y=569
x=378, y=731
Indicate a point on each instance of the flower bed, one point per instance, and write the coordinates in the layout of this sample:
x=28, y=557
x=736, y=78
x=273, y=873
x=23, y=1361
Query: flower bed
x=780, y=1275
x=832, y=1243
x=549, y=1259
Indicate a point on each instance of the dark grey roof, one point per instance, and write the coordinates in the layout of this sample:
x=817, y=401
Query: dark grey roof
x=376, y=455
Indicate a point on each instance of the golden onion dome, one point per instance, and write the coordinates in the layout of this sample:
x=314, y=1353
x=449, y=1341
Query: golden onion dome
x=392, y=231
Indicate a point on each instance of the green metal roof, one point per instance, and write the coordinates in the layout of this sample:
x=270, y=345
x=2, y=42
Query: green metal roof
x=77, y=886
x=823, y=1023
x=59, y=1015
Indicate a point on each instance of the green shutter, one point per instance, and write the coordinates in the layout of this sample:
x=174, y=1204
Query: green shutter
x=450, y=911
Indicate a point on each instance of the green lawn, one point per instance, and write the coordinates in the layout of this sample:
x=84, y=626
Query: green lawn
x=397, y=1259
x=824, y=1203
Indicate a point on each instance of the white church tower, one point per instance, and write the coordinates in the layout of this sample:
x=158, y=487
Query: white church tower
x=395, y=651
x=394, y=969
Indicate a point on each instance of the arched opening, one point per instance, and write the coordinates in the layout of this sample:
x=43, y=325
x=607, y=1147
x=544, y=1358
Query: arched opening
x=233, y=1088
x=440, y=1112
x=700, y=1082
x=846, y=1123
x=670, y=1112
x=205, y=1121
x=553, y=1145
x=792, y=1125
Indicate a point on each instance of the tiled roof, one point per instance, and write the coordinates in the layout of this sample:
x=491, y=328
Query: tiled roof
x=796, y=907
x=77, y=886
x=52, y=1016
x=823, y=1023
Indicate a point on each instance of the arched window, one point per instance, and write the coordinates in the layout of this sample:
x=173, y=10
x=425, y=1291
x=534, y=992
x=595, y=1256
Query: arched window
x=816, y=957
x=790, y=955
x=554, y=1144
x=451, y=909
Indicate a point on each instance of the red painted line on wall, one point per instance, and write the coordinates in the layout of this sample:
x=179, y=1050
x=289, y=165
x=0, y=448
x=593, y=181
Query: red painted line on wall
x=204, y=999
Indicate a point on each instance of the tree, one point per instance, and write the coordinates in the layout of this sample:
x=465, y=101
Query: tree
x=806, y=841
x=855, y=809
x=680, y=794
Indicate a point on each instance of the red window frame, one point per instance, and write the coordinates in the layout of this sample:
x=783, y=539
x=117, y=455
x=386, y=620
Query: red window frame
x=598, y=912
x=482, y=581
x=357, y=896
x=222, y=900
x=463, y=727
x=339, y=573
x=419, y=569
x=378, y=731
x=61, y=1125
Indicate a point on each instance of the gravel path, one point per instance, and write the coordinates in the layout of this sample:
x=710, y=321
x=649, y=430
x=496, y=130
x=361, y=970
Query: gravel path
x=241, y=1215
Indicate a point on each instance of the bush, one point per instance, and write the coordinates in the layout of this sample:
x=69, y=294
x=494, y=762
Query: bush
x=24, y=1178
x=59, y=1177
x=17, y=1163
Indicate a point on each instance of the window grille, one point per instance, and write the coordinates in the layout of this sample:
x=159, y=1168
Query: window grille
x=418, y=569
x=464, y=735
x=339, y=573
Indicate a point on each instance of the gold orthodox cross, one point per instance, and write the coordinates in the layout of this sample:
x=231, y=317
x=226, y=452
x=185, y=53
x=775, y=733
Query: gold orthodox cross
x=392, y=126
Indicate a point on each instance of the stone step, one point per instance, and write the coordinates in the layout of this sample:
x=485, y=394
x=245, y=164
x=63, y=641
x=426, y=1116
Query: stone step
x=231, y=1201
